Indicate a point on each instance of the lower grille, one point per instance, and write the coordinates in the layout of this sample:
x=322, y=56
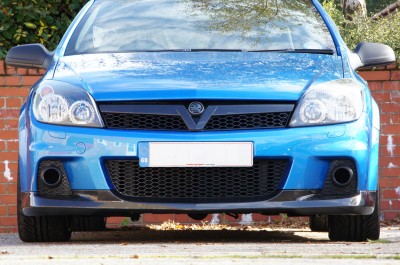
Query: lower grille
x=59, y=191
x=196, y=184
x=332, y=191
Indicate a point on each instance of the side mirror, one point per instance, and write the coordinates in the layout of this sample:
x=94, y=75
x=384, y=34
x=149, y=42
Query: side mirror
x=29, y=56
x=372, y=54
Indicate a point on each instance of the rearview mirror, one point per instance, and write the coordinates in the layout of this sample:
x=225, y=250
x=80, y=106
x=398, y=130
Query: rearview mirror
x=372, y=54
x=29, y=56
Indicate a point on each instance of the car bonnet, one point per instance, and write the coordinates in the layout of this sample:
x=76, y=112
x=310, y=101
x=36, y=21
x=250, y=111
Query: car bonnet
x=198, y=75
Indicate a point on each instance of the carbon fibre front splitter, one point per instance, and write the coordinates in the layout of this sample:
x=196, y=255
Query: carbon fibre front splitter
x=105, y=203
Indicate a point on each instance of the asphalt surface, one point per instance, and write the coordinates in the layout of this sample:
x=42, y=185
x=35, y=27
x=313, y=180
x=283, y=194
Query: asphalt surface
x=296, y=246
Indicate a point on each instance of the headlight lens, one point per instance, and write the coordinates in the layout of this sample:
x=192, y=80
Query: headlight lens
x=53, y=108
x=65, y=104
x=81, y=112
x=329, y=103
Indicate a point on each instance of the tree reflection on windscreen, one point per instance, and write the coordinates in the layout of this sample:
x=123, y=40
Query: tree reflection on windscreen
x=184, y=25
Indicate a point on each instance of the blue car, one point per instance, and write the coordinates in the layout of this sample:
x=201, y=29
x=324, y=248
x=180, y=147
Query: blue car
x=197, y=107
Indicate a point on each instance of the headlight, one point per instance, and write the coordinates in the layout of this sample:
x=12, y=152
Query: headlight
x=329, y=103
x=65, y=104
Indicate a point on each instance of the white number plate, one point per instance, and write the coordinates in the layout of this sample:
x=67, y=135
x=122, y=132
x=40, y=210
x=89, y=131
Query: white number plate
x=196, y=154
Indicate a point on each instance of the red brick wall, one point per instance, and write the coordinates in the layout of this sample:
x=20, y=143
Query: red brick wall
x=14, y=87
x=385, y=87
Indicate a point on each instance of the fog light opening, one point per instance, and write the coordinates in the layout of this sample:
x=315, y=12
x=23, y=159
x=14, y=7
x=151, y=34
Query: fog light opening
x=51, y=177
x=342, y=176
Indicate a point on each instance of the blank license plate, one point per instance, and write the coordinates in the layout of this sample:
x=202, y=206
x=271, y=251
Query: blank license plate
x=196, y=154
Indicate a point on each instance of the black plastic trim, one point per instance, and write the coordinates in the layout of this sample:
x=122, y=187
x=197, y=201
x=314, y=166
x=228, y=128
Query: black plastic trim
x=216, y=109
x=29, y=56
x=192, y=123
x=153, y=175
x=105, y=203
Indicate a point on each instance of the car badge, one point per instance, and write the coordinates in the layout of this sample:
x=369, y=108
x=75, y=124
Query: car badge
x=196, y=108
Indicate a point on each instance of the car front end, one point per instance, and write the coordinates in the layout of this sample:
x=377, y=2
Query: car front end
x=129, y=119
x=299, y=162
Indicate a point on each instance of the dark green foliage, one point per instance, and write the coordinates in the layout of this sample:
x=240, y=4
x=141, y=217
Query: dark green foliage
x=374, y=6
x=364, y=29
x=35, y=21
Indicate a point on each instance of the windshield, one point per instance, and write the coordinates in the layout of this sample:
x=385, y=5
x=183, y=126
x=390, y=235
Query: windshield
x=200, y=25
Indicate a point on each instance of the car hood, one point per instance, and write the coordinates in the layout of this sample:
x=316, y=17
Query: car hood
x=198, y=75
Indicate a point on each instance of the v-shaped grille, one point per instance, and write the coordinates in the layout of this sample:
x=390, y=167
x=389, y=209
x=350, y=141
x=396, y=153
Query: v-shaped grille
x=176, y=117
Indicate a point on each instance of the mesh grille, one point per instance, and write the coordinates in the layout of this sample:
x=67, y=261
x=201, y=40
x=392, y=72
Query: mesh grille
x=63, y=190
x=196, y=184
x=330, y=190
x=248, y=121
x=175, y=115
x=143, y=121
x=170, y=122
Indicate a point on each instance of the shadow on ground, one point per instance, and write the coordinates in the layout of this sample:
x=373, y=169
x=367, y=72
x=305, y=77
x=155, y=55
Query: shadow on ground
x=144, y=236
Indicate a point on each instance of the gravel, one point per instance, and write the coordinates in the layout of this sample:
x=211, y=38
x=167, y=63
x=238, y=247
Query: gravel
x=145, y=246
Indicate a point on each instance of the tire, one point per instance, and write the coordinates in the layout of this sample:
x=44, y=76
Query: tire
x=319, y=223
x=88, y=223
x=42, y=228
x=355, y=228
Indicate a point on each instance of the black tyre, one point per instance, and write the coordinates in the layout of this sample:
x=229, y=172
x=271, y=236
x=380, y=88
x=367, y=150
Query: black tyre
x=42, y=228
x=355, y=228
x=88, y=223
x=319, y=223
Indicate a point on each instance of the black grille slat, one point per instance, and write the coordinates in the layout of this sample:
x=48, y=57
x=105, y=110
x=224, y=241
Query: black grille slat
x=220, y=122
x=248, y=121
x=196, y=184
x=143, y=121
x=175, y=115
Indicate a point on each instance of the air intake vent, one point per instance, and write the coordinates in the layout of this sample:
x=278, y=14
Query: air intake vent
x=209, y=184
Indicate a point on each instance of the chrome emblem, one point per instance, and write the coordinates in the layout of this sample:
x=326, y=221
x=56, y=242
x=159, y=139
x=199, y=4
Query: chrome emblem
x=196, y=108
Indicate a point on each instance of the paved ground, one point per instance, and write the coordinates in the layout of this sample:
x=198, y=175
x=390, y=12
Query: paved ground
x=296, y=246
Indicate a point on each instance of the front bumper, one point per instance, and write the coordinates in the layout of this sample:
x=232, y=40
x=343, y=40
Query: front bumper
x=309, y=150
x=105, y=203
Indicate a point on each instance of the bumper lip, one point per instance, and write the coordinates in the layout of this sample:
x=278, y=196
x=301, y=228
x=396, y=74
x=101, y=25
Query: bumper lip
x=105, y=203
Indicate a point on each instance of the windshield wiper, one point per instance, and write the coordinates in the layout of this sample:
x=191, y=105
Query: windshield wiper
x=191, y=50
x=216, y=50
x=314, y=51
